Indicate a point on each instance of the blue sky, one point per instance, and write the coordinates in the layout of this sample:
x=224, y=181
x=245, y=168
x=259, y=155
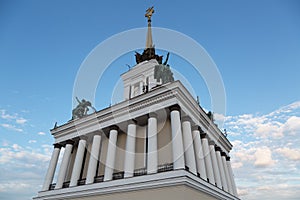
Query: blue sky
x=255, y=44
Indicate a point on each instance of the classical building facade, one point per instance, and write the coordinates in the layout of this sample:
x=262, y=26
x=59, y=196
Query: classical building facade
x=157, y=143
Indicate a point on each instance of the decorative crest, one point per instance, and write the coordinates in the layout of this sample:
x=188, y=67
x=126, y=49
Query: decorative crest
x=149, y=13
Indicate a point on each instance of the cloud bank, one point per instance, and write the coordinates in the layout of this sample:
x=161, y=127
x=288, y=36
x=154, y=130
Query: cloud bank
x=266, y=153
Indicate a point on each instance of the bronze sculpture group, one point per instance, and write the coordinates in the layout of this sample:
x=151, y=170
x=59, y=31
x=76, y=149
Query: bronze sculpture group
x=81, y=109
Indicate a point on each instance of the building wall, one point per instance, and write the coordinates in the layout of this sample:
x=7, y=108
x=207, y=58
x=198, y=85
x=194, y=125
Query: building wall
x=135, y=78
x=164, y=145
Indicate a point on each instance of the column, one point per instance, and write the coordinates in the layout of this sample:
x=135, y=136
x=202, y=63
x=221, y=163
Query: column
x=177, y=143
x=78, y=161
x=199, y=153
x=215, y=164
x=228, y=181
x=152, y=157
x=221, y=168
x=130, y=150
x=94, y=158
x=231, y=176
x=111, y=154
x=64, y=164
x=207, y=158
x=188, y=145
x=52, y=167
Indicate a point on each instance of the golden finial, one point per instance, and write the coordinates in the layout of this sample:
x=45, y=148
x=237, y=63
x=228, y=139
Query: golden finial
x=149, y=13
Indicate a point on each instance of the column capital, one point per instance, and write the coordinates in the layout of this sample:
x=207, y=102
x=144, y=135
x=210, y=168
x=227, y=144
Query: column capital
x=175, y=107
x=114, y=127
x=223, y=154
x=132, y=121
x=83, y=137
x=196, y=128
x=203, y=135
x=56, y=145
x=152, y=114
x=211, y=142
x=218, y=148
x=186, y=118
x=70, y=142
x=100, y=133
x=227, y=158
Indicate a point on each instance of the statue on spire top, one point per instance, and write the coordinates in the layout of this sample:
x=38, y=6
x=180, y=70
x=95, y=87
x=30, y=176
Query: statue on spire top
x=149, y=13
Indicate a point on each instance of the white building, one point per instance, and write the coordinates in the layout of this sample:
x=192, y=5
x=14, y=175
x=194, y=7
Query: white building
x=156, y=144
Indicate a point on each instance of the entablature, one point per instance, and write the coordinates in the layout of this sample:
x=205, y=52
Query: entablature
x=161, y=97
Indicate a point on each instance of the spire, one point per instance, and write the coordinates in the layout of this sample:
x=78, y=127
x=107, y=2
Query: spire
x=149, y=42
x=149, y=51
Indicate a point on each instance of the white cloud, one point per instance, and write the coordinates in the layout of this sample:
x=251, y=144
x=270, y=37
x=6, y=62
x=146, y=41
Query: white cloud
x=219, y=117
x=292, y=154
x=242, y=192
x=16, y=147
x=13, y=186
x=32, y=141
x=22, y=170
x=41, y=133
x=11, y=127
x=21, y=121
x=269, y=129
x=292, y=125
x=286, y=109
x=18, y=153
x=236, y=165
x=4, y=115
x=273, y=125
x=263, y=157
x=12, y=121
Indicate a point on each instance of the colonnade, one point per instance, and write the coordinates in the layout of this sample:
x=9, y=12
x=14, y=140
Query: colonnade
x=192, y=149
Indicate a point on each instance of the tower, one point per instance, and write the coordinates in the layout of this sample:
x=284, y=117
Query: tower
x=157, y=143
